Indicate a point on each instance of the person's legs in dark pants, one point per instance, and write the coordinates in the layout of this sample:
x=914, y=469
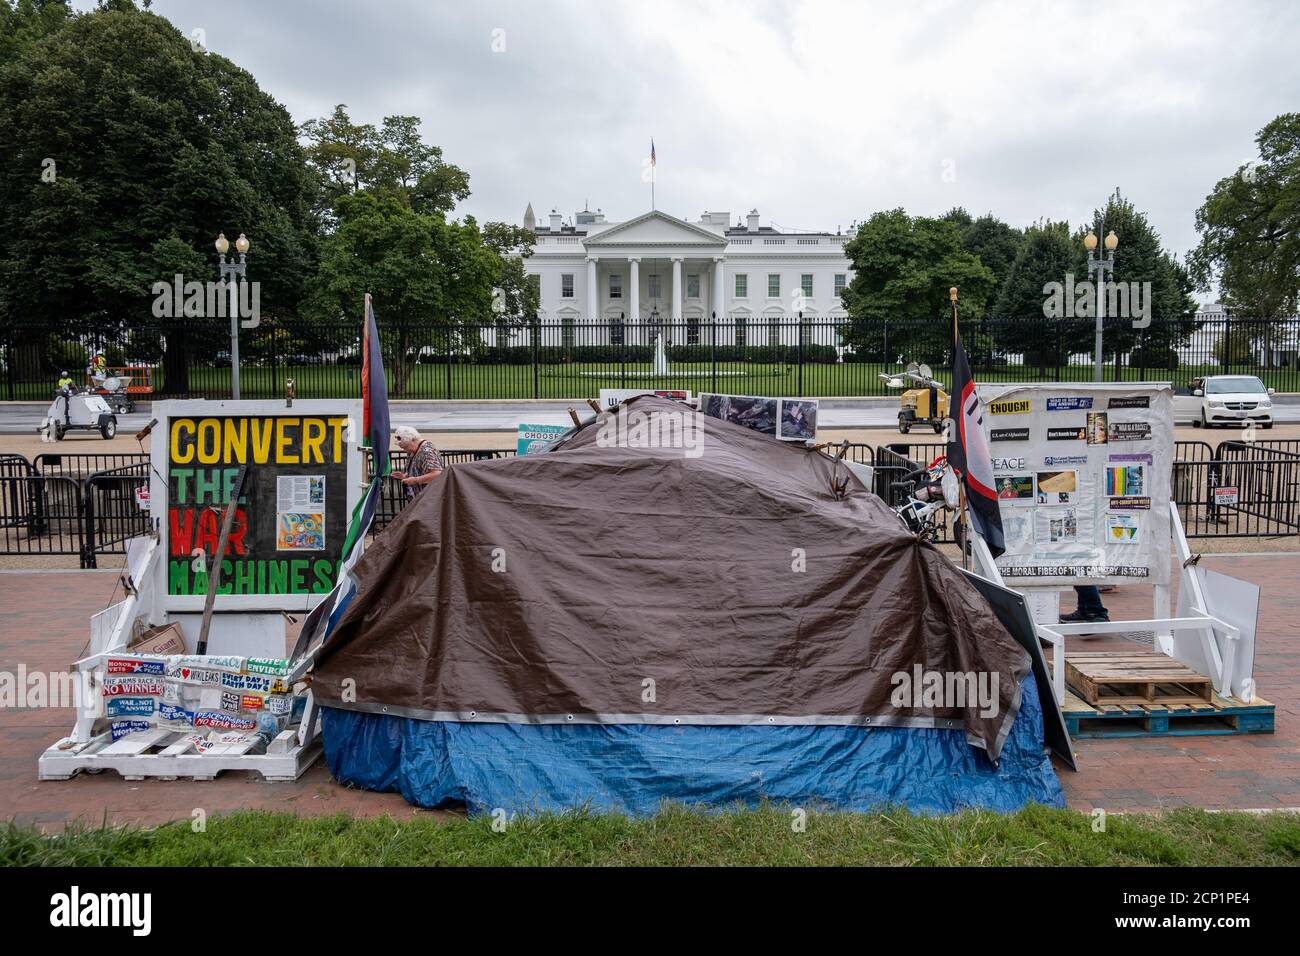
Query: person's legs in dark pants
x=1090, y=606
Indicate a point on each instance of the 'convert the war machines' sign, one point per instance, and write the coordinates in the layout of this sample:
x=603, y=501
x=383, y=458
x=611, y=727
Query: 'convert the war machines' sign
x=291, y=518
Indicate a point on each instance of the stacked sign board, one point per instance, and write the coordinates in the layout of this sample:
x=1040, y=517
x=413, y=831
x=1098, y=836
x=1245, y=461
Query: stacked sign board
x=1082, y=473
x=787, y=419
x=241, y=695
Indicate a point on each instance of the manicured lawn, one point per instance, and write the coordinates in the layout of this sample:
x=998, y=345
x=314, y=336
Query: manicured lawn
x=584, y=380
x=1034, y=836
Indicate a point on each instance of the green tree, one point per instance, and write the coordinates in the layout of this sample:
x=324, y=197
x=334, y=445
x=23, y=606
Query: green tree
x=1250, y=233
x=428, y=277
x=124, y=146
x=24, y=22
x=898, y=300
x=1141, y=259
x=1018, y=325
x=391, y=196
x=393, y=158
x=517, y=296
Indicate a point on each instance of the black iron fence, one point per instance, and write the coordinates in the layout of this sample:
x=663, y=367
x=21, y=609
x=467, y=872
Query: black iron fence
x=40, y=514
x=113, y=510
x=571, y=358
x=69, y=505
x=394, y=496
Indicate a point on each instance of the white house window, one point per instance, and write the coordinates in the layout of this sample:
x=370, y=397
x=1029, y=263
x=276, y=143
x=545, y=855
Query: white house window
x=840, y=278
x=566, y=332
x=742, y=285
x=566, y=285
x=692, y=331
x=616, y=332
x=653, y=283
x=805, y=282
x=742, y=332
x=616, y=286
x=773, y=285
x=692, y=286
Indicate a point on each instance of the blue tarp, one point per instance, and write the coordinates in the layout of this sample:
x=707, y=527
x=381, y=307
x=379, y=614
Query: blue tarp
x=634, y=768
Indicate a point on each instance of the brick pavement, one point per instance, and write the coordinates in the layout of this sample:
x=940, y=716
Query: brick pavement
x=45, y=614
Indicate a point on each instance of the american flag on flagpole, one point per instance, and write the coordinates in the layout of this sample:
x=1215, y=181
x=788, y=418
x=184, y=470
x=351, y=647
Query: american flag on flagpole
x=652, y=150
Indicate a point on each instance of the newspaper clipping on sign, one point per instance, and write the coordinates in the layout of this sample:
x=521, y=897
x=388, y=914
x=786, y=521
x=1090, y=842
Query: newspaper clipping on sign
x=1082, y=473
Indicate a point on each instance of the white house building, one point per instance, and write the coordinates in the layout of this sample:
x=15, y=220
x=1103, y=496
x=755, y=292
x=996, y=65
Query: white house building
x=623, y=279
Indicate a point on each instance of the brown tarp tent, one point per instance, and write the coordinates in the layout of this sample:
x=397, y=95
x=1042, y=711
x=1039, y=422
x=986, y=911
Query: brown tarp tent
x=758, y=582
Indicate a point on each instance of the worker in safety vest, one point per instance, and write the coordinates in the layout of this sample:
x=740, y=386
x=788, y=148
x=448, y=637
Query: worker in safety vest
x=65, y=381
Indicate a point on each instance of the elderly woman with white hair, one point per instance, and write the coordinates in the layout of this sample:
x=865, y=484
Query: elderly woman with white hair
x=425, y=464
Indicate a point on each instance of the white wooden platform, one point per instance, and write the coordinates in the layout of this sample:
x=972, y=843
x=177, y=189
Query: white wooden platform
x=171, y=754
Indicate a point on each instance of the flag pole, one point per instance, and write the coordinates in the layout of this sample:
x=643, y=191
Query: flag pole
x=653, y=171
x=967, y=526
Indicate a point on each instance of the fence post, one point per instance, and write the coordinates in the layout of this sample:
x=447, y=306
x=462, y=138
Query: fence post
x=799, y=353
x=447, y=333
x=534, y=333
x=1060, y=345
x=88, y=527
x=713, y=352
x=9, y=365
x=1227, y=342
x=275, y=362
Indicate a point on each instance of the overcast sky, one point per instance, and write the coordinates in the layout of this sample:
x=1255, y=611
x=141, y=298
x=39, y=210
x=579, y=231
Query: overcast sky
x=816, y=112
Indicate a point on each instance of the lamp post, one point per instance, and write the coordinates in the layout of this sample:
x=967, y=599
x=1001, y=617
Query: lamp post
x=231, y=271
x=1098, y=266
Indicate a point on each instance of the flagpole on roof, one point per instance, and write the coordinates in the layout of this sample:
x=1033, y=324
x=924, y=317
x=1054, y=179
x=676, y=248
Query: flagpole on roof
x=652, y=174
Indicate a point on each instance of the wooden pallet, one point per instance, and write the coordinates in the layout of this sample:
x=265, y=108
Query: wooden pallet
x=1215, y=716
x=1134, y=677
x=170, y=754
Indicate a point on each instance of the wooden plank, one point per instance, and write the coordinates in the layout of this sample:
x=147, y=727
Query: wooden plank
x=137, y=743
x=1196, y=718
x=1127, y=677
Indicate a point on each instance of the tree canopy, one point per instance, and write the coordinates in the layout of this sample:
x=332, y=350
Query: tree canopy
x=128, y=152
x=1046, y=254
x=903, y=268
x=1250, y=229
x=392, y=158
x=1140, y=259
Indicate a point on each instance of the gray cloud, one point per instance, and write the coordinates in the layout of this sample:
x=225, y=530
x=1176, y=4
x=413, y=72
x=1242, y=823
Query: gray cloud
x=818, y=113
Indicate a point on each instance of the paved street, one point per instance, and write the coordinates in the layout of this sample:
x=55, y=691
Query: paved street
x=441, y=416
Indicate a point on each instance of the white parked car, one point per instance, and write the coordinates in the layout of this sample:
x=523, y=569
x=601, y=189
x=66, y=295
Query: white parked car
x=1233, y=400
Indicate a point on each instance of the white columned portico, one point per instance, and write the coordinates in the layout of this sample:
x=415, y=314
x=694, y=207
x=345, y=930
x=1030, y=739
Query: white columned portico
x=634, y=289
x=718, y=280
x=677, y=289
x=593, y=291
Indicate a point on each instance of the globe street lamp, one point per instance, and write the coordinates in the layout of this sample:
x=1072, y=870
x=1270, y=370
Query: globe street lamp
x=230, y=271
x=1098, y=266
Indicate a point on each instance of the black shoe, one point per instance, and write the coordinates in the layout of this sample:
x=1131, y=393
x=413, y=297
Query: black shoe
x=1083, y=617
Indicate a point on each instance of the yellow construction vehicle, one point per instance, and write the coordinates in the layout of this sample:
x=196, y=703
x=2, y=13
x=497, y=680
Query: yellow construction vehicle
x=926, y=403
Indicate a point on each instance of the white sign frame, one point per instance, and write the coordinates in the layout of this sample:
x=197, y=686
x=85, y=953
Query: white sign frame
x=160, y=450
x=1089, y=504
